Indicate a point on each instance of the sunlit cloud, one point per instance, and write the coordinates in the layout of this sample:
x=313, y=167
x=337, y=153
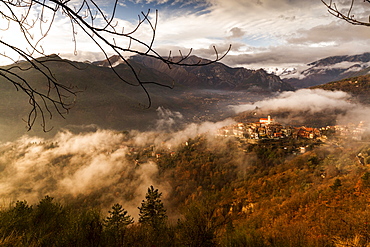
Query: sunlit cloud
x=255, y=29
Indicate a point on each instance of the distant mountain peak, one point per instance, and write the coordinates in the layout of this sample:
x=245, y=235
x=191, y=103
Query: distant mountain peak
x=49, y=57
x=112, y=61
x=359, y=58
x=329, y=69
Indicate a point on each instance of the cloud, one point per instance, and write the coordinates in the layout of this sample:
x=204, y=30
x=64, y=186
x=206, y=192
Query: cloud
x=305, y=103
x=101, y=164
x=334, y=31
x=312, y=101
x=171, y=139
x=291, y=55
x=167, y=119
x=266, y=33
x=236, y=33
x=274, y=33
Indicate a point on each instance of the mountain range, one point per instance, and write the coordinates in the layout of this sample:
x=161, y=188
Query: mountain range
x=104, y=100
x=213, y=76
x=327, y=70
x=199, y=93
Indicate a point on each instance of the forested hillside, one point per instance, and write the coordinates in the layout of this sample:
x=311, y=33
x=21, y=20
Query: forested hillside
x=223, y=193
x=358, y=86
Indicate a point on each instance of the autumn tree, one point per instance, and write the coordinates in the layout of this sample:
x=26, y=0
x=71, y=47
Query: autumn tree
x=17, y=220
x=366, y=179
x=336, y=185
x=203, y=219
x=49, y=219
x=35, y=20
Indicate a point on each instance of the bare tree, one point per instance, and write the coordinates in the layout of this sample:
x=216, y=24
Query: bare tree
x=346, y=14
x=85, y=16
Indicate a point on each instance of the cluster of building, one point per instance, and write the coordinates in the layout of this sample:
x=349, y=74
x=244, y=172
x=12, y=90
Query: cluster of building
x=267, y=128
x=350, y=131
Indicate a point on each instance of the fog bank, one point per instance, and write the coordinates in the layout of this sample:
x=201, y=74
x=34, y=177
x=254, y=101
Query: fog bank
x=97, y=164
x=308, y=102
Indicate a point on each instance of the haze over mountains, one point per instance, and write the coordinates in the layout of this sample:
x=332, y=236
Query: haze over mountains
x=326, y=70
x=200, y=93
x=213, y=76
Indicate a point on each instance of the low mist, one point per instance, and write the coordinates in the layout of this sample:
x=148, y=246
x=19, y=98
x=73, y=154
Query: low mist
x=103, y=165
x=303, y=106
x=100, y=164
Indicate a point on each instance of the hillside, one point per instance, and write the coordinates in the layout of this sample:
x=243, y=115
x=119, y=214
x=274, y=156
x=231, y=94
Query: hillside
x=358, y=86
x=102, y=99
x=216, y=191
x=217, y=76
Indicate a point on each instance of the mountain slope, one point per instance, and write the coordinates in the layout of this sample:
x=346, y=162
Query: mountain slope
x=330, y=69
x=216, y=75
x=103, y=99
x=108, y=102
x=358, y=86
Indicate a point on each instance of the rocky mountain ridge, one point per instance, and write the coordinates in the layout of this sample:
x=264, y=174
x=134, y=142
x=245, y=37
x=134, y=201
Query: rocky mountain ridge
x=213, y=76
x=329, y=69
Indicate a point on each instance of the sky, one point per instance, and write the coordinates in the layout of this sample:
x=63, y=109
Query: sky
x=263, y=33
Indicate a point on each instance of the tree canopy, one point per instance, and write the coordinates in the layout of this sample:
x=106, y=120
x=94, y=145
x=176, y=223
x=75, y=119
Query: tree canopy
x=152, y=211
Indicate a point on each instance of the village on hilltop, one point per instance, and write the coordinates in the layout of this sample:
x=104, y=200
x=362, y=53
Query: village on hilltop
x=268, y=128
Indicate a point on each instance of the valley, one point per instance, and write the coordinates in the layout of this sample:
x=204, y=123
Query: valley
x=253, y=163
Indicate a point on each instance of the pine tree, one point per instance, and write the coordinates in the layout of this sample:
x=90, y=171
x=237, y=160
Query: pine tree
x=118, y=217
x=152, y=211
x=116, y=223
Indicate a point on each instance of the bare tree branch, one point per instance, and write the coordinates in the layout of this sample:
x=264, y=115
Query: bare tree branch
x=89, y=18
x=347, y=16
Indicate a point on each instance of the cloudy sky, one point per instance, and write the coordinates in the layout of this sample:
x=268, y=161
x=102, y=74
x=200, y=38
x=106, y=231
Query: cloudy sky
x=263, y=33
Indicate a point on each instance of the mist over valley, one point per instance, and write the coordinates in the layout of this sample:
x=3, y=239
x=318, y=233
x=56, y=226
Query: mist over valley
x=110, y=148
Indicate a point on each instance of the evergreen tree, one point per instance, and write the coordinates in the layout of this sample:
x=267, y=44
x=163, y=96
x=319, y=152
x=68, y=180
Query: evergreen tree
x=90, y=227
x=115, y=225
x=152, y=211
x=118, y=217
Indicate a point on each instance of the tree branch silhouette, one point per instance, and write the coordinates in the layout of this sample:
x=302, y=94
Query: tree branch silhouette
x=346, y=15
x=36, y=18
